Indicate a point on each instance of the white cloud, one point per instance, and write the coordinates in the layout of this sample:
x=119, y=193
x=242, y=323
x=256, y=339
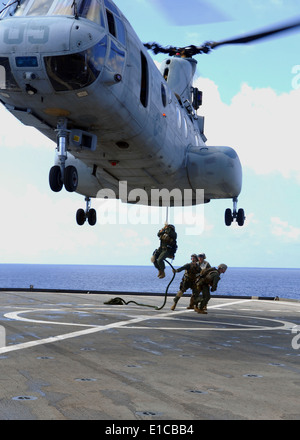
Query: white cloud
x=34, y=227
x=13, y=133
x=281, y=228
x=260, y=125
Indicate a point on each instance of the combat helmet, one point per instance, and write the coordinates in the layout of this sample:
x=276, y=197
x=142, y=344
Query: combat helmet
x=222, y=266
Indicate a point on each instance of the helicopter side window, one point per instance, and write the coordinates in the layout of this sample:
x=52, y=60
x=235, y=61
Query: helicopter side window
x=111, y=7
x=78, y=70
x=120, y=30
x=115, y=26
x=144, y=81
x=185, y=127
x=163, y=95
x=7, y=81
x=116, y=58
x=179, y=119
x=111, y=23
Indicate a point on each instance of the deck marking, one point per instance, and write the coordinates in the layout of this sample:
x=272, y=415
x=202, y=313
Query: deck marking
x=130, y=324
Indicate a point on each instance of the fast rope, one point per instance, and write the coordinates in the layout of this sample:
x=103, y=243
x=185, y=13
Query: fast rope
x=121, y=301
x=167, y=215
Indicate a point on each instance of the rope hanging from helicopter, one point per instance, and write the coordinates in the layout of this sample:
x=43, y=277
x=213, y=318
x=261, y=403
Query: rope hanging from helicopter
x=121, y=301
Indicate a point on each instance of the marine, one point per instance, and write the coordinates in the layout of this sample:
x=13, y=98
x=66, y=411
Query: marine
x=207, y=282
x=188, y=280
x=167, y=248
x=202, y=261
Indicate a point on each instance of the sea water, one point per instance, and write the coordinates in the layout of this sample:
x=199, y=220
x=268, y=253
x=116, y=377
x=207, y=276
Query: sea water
x=268, y=282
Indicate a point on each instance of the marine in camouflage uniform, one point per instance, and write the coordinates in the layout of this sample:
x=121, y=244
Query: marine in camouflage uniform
x=202, y=262
x=206, y=283
x=167, y=249
x=188, y=280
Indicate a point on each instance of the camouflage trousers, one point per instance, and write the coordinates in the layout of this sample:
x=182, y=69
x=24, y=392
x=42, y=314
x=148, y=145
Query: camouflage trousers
x=202, y=296
x=160, y=255
x=188, y=284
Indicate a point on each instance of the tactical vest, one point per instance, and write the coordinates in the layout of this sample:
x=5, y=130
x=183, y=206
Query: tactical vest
x=192, y=272
x=206, y=276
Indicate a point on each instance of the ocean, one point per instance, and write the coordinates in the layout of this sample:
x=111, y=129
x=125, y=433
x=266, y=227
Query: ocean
x=264, y=282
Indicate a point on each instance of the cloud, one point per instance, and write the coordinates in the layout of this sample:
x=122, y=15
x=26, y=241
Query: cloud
x=260, y=125
x=34, y=229
x=281, y=228
x=13, y=133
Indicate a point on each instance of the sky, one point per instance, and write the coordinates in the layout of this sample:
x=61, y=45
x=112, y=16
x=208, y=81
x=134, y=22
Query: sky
x=251, y=98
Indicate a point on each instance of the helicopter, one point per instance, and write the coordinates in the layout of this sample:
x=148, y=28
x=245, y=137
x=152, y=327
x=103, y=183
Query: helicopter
x=79, y=74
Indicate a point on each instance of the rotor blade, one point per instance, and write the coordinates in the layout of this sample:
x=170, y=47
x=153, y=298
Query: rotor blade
x=190, y=51
x=192, y=12
x=257, y=36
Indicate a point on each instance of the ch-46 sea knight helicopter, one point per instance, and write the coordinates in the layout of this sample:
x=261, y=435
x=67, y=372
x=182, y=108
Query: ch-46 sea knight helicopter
x=78, y=73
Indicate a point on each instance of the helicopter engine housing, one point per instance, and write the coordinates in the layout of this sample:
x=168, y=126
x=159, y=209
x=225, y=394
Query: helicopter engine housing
x=179, y=74
x=217, y=169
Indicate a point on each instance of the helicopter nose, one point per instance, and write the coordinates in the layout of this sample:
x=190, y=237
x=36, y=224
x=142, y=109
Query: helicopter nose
x=34, y=35
x=46, y=35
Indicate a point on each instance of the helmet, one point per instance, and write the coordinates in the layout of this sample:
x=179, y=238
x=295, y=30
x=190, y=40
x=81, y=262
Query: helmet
x=222, y=266
x=202, y=255
x=193, y=256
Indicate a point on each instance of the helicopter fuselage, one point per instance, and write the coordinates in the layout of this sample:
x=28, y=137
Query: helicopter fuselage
x=123, y=119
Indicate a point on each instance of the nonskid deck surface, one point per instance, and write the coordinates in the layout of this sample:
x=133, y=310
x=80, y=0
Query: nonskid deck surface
x=70, y=356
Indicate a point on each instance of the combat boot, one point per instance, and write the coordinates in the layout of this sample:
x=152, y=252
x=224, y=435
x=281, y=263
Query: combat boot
x=201, y=311
x=192, y=303
x=161, y=274
x=176, y=299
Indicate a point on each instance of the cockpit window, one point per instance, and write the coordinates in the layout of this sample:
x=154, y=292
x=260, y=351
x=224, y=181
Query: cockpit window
x=115, y=24
x=40, y=7
x=90, y=9
x=78, y=70
x=7, y=81
x=111, y=6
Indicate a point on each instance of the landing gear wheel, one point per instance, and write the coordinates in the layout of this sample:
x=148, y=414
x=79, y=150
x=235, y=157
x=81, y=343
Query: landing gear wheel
x=80, y=217
x=55, y=179
x=228, y=217
x=92, y=217
x=240, y=217
x=71, y=178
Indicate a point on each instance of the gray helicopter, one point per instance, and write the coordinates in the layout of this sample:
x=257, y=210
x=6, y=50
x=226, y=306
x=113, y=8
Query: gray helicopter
x=78, y=73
